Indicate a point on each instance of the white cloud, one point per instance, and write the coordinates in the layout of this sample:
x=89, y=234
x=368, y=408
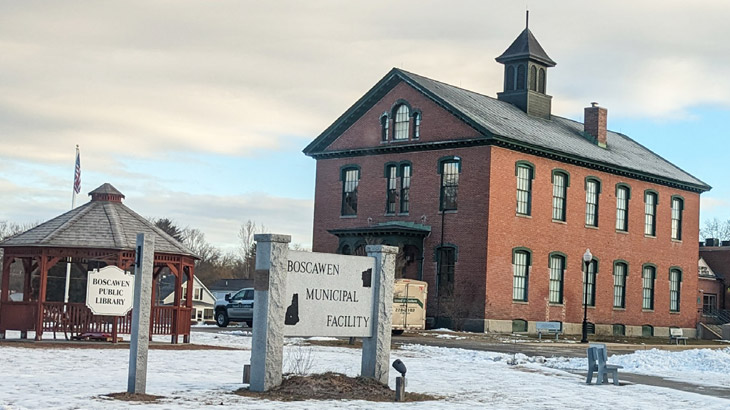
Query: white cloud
x=154, y=80
x=711, y=205
x=222, y=216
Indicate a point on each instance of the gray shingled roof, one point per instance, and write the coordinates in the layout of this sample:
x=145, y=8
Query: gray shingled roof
x=97, y=224
x=526, y=46
x=557, y=134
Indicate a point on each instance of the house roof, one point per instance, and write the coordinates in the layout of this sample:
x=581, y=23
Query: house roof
x=718, y=259
x=525, y=47
x=501, y=123
x=231, y=284
x=102, y=223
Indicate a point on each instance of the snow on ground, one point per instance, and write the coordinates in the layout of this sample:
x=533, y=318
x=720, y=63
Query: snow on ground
x=698, y=366
x=57, y=378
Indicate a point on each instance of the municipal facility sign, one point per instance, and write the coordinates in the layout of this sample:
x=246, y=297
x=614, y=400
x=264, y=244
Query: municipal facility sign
x=110, y=291
x=328, y=295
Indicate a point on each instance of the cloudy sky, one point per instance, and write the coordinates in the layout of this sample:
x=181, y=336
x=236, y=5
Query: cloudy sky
x=198, y=110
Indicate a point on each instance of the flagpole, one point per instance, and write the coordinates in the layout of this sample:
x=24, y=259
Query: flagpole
x=75, y=190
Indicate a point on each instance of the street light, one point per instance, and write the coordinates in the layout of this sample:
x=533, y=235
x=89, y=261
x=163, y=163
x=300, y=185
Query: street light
x=587, y=258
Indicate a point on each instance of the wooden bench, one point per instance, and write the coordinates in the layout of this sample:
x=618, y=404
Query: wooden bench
x=597, y=362
x=676, y=334
x=548, y=327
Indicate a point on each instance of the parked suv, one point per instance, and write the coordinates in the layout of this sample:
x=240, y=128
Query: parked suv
x=237, y=308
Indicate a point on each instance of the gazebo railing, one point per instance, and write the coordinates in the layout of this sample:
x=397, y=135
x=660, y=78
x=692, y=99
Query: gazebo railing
x=74, y=319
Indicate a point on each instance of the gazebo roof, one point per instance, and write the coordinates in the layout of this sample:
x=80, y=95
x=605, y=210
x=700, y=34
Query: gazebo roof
x=103, y=223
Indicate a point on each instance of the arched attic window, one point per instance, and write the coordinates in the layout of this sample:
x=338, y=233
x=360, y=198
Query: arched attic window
x=416, y=125
x=402, y=118
x=384, y=124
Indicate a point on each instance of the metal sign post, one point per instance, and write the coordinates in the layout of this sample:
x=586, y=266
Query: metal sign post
x=139, y=343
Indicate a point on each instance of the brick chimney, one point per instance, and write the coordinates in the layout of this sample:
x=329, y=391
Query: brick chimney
x=595, y=118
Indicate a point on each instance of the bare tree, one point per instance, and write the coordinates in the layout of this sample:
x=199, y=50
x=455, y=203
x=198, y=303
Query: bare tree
x=714, y=228
x=247, y=246
x=8, y=229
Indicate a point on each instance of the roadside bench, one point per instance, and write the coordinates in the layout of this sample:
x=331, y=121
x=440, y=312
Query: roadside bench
x=676, y=335
x=597, y=362
x=548, y=327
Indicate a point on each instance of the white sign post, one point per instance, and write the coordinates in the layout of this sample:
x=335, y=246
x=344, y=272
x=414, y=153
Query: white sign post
x=329, y=295
x=110, y=291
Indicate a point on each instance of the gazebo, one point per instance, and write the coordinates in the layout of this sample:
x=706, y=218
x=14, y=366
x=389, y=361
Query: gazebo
x=50, y=264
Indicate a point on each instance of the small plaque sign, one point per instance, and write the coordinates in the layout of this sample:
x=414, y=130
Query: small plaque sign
x=110, y=291
x=329, y=295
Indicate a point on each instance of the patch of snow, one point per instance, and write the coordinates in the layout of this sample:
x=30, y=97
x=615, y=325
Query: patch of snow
x=39, y=378
x=702, y=366
x=447, y=336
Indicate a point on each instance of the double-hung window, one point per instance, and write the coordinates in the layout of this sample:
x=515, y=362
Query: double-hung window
x=524, y=188
x=350, y=178
x=677, y=207
x=589, y=283
x=619, y=284
x=675, y=279
x=449, y=168
x=557, y=274
x=650, y=202
x=622, y=208
x=593, y=189
x=560, y=188
x=520, y=275
x=416, y=125
x=446, y=269
x=405, y=188
x=648, y=276
x=391, y=200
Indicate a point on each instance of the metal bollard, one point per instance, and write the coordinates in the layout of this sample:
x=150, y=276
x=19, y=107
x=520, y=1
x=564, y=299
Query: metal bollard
x=246, y=374
x=400, y=388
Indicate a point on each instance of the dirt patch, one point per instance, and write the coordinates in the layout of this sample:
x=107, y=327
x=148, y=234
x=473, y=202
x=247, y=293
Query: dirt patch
x=147, y=398
x=331, y=386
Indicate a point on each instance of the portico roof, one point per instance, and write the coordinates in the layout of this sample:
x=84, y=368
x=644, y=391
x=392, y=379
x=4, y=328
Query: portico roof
x=384, y=229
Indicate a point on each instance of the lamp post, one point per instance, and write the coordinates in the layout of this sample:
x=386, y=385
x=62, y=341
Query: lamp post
x=587, y=258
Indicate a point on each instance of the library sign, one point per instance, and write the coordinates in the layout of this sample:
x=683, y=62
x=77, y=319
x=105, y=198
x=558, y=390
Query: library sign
x=110, y=291
x=328, y=295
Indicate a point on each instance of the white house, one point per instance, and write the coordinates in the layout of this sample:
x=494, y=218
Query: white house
x=203, y=301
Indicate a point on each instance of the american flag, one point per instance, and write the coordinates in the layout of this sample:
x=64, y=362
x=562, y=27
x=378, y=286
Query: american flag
x=77, y=172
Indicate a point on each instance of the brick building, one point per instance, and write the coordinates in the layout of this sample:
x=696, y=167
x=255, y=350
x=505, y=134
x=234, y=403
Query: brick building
x=714, y=271
x=494, y=201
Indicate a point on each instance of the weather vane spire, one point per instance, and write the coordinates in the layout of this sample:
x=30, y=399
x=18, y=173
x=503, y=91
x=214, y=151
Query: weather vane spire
x=527, y=18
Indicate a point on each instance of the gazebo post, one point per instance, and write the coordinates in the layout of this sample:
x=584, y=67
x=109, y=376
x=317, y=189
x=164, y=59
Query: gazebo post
x=41, y=294
x=28, y=269
x=153, y=302
x=5, y=290
x=176, y=306
x=189, y=301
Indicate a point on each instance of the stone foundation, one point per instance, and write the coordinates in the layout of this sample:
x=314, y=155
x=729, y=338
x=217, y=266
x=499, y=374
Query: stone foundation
x=505, y=326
